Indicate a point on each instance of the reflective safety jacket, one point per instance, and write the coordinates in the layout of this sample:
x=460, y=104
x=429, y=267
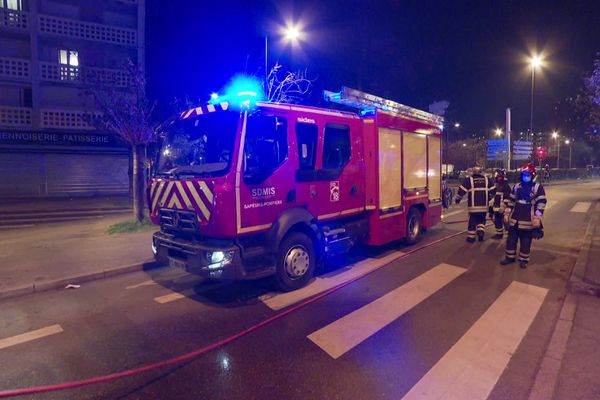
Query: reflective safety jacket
x=525, y=200
x=480, y=189
x=501, y=197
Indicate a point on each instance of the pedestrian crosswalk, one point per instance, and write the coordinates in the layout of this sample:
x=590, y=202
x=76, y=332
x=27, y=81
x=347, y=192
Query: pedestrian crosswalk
x=277, y=301
x=344, y=334
x=581, y=207
x=472, y=367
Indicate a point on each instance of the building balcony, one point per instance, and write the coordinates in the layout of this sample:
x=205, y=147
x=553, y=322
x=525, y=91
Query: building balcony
x=14, y=68
x=54, y=72
x=65, y=119
x=13, y=19
x=87, y=30
x=15, y=117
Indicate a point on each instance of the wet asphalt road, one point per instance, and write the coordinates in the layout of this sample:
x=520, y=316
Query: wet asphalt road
x=136, y=319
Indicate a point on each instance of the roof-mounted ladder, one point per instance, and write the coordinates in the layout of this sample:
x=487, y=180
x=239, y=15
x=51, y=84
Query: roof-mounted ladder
x=368, y=102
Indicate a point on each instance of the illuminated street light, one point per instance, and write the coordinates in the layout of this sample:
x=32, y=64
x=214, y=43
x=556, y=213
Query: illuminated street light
x=555, y=135
x=464, y=145
x=535, y=62
x=291, y=34
x=457, y=124
x=569, y=143
x=498, y=132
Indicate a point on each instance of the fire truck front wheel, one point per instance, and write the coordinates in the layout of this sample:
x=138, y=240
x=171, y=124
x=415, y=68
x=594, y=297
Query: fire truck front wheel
x=414, y=228
x=296, y=261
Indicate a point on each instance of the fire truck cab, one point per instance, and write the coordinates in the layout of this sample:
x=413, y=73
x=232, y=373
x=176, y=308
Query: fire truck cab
x=276, y=189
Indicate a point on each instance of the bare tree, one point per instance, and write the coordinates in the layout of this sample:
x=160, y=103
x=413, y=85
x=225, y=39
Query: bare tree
x=291, y=87
x=126, y=112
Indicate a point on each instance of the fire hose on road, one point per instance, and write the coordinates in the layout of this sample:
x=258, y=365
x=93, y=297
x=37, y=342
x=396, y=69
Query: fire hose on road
x=206, y=349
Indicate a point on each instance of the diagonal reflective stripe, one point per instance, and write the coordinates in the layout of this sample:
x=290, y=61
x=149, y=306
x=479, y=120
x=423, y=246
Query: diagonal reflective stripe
x=472, y=367
x=174, y=202
x=344, y=334
x=198, y=200
x=165, y=194
x=184, y=196
x=157, y=194
x=207, y=192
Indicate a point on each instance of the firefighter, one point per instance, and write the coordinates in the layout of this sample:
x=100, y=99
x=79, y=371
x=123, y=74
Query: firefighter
x=496, y=211
x=480, y=190
x=523, y=214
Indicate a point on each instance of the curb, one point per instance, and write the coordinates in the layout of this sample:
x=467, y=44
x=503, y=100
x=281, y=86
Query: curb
x=547, y=376
x=92, y=276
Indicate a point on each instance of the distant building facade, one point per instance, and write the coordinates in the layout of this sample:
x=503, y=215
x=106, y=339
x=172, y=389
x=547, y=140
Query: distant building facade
x=47, y=48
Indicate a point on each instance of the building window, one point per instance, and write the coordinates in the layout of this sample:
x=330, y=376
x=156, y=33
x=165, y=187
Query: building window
x=69, y=65
x=16, y=5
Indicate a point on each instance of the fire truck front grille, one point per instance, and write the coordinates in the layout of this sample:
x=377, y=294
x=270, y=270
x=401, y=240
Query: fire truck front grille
x=178, y=221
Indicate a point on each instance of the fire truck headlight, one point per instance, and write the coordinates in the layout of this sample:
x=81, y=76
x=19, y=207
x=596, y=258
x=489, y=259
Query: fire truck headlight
x=154, y=249
x=218, y=259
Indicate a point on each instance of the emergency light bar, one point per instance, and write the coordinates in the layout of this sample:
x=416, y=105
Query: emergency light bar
x=365, y=101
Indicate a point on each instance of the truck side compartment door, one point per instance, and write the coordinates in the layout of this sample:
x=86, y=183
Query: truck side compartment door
x=340, y=184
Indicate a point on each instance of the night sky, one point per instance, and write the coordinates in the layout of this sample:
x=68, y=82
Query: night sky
x=472, y=54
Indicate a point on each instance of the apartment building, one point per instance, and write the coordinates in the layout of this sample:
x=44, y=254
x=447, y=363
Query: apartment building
x=47, y=48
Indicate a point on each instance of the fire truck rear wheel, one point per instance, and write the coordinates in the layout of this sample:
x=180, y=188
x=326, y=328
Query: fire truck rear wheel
x=296, y=261
x=414, y=228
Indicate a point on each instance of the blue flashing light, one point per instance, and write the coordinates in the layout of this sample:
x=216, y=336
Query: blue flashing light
x=247, y=93
x=243, y=91
x=214, y=96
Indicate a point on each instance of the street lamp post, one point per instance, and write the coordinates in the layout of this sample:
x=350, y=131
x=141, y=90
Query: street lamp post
x=535, y=62
x=556, y=136
x=291, y=34
x=570, y=147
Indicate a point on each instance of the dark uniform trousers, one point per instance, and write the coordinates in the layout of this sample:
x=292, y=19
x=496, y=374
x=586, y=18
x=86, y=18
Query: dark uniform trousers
x=522, y=235
x=499, y=223
x=476, y=224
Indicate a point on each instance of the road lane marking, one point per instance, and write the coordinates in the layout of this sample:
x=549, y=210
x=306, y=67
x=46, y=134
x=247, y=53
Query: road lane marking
x=549, y=204
x=145, y=283
x=169, y=298
x=471, y=368
x=349, y=331
x=581, y=207
x=452, y=213
x=322, y=283
x=29, y=336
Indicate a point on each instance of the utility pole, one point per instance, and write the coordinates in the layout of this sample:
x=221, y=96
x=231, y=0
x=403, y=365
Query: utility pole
x=508, y=138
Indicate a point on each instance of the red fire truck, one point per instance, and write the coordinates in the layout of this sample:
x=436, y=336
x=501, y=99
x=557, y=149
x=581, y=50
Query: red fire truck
x=276, y=189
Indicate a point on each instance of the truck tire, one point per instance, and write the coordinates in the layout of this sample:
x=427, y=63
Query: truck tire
x=414, y=226
x=296, y=261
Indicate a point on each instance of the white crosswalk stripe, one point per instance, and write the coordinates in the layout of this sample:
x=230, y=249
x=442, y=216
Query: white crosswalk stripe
x=328, y=281
x=581, y=207
x=472, y=367
x=349, y=331
x=29, y=336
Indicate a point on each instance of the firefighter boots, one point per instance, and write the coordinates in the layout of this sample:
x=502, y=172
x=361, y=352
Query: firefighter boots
x=480, y=235
x=522, y=264
x=507, y=261
x=471, y=239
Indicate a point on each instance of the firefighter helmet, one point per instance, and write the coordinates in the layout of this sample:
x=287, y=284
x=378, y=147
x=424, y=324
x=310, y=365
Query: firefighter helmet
x=477, y=169
x=530, y=168
x=500, y=175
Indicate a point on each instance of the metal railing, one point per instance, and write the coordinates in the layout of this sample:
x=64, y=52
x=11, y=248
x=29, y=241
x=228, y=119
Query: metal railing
x=13, y=19
x=15, y=117
x=69, y=74
x=64, y=119
x=15, y=68
x=87, y=30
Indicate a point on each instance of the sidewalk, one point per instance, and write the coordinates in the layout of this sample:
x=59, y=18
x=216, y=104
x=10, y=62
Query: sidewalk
x=42, y=210
x=51, y=256
x=571, y=366
x=579, y=377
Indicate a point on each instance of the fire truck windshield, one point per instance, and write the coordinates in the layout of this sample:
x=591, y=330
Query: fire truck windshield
x=201, y=146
